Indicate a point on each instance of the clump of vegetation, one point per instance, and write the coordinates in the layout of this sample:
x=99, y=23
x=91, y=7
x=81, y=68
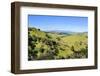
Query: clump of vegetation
x=48, y=46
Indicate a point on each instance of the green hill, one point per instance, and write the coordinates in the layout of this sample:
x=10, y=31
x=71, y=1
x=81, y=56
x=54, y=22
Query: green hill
x=47, y=45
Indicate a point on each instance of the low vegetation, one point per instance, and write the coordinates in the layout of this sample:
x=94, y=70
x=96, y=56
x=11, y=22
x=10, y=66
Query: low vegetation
x=56, y=45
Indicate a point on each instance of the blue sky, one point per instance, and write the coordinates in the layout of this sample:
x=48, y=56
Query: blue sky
x=66, y=23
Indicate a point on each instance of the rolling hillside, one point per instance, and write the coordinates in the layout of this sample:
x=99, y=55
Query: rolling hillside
x=56, y=45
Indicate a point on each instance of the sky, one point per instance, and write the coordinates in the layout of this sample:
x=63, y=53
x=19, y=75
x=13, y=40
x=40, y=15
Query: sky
x=64, y=23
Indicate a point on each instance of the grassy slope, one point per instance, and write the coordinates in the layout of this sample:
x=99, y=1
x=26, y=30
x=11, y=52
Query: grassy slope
x=63, y=45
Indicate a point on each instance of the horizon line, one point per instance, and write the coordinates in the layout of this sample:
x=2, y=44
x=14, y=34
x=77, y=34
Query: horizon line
x=56, y=30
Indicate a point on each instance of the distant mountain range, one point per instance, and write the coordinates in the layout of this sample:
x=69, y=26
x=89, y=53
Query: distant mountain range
x=64, y=31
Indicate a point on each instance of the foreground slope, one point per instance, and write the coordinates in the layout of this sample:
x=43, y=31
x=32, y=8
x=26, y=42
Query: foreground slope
x=52, y=45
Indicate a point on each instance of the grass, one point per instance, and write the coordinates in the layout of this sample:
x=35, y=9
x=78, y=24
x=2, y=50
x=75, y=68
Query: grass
x=52, y=45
